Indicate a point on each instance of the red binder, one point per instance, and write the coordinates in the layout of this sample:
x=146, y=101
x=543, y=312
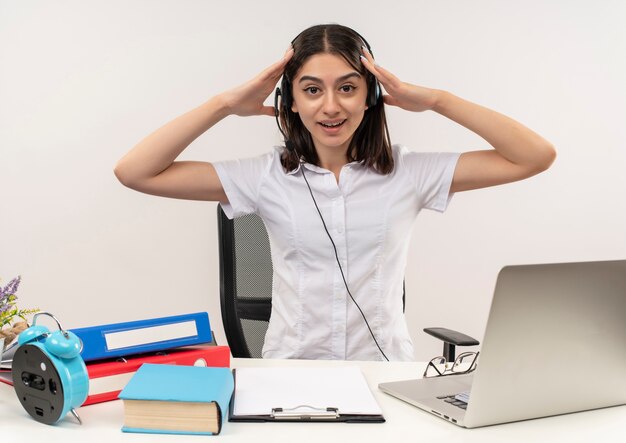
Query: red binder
x=6, y=377
x=108, y=378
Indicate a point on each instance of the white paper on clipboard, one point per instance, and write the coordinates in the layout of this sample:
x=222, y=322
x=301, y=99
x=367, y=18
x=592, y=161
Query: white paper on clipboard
x=259, y=390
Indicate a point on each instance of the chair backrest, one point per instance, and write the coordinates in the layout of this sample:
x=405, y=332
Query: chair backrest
x=245, y=282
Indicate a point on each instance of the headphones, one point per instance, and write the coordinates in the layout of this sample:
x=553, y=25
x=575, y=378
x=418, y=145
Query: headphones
x=286, y=98
x=49, y=375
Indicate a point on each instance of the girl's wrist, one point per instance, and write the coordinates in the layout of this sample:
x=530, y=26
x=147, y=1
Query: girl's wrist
x=438, y=100
x=219, y=106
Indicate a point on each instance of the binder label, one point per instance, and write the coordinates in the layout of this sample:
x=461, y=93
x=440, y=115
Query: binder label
x=151, y=334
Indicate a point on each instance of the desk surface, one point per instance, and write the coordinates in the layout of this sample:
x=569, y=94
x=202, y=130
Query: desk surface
x=102, y=422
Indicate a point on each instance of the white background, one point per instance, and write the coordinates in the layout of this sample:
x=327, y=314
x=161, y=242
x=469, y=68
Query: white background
x=81, y=82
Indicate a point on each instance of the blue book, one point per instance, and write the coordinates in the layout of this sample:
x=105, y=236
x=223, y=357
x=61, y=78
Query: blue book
x=170, y=399
x=141, y=336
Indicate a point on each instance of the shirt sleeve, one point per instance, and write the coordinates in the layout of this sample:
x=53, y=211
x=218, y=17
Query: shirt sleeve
x=241, y=180
x=431, y=175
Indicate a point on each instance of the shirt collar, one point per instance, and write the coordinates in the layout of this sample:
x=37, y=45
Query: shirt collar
x=310, y=167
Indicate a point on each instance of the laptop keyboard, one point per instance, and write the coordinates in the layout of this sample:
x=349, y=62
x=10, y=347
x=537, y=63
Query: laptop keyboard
x=453, y=400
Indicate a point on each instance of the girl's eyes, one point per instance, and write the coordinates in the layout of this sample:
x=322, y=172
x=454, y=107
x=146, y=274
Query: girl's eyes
x=314, y=90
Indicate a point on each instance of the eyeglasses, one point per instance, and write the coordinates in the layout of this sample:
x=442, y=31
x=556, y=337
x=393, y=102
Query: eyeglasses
x=440, y=367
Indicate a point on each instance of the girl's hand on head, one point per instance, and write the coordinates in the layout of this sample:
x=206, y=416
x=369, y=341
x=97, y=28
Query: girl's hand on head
x=404, y=95
x=247, y=99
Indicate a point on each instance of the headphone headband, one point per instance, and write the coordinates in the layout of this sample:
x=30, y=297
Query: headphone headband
x=367, y=45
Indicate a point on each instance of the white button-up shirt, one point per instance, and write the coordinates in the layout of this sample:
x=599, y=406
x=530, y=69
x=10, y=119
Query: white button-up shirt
x=370, y=218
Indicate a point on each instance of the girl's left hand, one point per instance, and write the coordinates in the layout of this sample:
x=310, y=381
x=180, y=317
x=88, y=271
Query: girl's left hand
x=404, y=95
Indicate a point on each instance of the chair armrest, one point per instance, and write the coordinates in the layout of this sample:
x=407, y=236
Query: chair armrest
x=452, y=337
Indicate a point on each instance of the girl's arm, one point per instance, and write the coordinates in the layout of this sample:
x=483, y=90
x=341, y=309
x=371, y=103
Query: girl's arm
x=519, y=152
x=150, y=166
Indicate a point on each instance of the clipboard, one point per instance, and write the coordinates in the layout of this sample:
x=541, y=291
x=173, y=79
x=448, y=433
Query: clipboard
x=299, y=394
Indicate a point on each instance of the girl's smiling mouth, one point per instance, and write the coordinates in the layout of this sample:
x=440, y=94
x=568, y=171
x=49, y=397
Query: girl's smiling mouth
x=332, y=124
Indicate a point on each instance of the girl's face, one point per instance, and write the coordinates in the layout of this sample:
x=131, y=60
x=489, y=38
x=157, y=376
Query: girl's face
x=329, y=95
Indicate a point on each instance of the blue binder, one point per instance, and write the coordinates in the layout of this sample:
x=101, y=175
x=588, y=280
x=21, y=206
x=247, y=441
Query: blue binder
x=151, y=335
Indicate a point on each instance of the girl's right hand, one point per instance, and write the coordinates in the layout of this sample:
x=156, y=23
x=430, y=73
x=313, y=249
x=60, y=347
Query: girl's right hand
x=247, y=99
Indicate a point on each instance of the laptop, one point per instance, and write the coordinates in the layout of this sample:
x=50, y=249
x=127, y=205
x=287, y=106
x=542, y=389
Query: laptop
x=555, y=343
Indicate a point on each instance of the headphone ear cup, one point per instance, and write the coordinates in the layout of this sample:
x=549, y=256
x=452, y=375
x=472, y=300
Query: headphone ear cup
x=373, y=92
x=285, y=94
x=63, y=344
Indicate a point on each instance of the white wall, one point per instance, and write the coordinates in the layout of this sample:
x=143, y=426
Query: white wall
x=82, y=81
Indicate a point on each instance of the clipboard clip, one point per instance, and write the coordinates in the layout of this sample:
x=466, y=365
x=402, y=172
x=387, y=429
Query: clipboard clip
x=305, y=412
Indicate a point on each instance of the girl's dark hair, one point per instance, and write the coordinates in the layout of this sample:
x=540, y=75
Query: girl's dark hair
x=370, y=143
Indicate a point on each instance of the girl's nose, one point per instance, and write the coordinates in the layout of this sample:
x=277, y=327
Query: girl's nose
x=331, y=104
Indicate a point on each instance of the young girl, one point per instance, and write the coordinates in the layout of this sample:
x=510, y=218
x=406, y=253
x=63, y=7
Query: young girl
x=338, y=200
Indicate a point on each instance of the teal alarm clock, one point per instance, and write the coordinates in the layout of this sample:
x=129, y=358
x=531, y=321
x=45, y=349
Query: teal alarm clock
x=49, y=375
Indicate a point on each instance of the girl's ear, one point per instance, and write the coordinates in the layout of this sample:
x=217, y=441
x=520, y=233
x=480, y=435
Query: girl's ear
x=294, y=108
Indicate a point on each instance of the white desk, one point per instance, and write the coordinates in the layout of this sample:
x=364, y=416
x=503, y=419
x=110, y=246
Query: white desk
x=102, y=422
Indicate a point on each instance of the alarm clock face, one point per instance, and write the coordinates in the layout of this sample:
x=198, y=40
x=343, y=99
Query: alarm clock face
x=37, y=384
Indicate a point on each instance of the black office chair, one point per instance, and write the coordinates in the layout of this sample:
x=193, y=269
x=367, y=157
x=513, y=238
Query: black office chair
x=245, y=282
x=246, y=288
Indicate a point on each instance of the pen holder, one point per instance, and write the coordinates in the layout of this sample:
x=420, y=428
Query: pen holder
x=49, y=375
